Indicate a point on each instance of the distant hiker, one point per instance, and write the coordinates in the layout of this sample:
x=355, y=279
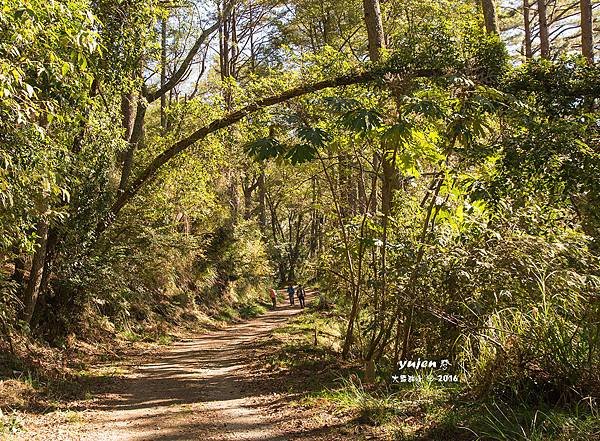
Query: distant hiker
x=291, y=292
x=301, y=295
x=273, y=295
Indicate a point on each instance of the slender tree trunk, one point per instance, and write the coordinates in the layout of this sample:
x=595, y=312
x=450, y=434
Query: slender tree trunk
x=252, y=31
x=408, y=325
x=163, y=72
x=262, y=191
x=375, y=184
x=51, y=245
x=136, y=137
x=587, y=31
x=32, y=290
x=389, y=183
x=362, y=191
x=527, y=26
x=369, y=362
x=128, y=114
x=349, y=260
x=234, y=46
x=312, y=244
x=372, y=11
x=18, y=275
x=247, y=204
x=490, y=16
x=49, y=260
x=248, y=189
x=544, y=31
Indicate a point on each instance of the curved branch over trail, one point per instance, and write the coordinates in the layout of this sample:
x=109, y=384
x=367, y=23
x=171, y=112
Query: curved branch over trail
x=159, y=161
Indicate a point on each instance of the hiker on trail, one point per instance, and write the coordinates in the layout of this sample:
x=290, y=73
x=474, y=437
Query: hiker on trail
x=291, y=292
x=273, y=295
x=301, y=295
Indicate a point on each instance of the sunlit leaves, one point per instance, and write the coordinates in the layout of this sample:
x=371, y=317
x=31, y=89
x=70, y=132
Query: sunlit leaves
x=398, y=133
x=298, y=153
x=429, y=108
x=342, y=105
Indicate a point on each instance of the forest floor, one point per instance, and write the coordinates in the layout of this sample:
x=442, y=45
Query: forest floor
x=216, y=386
x=274, y=377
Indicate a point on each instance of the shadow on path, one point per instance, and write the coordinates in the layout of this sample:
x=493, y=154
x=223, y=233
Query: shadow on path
x=198, y=389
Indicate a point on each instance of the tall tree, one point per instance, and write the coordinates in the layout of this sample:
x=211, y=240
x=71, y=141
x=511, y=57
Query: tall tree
x=374, y=24
x=163, y=71
x=490, y=15
x=587, y=30
x=527, y=27
x=544, y=30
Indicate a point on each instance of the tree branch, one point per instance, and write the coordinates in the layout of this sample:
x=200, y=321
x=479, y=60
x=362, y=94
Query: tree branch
x=159, y=161
x=185, y=65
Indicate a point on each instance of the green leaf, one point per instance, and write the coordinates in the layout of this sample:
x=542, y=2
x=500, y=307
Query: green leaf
x=314, y=136
x=362, y=120
x=301, y=153
x=264, y=148
x=400, y=132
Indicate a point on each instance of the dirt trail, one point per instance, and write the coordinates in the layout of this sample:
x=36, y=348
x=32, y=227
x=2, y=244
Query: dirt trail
x=198, y=389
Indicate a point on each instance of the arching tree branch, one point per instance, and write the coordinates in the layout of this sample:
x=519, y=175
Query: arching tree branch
x=159, y=161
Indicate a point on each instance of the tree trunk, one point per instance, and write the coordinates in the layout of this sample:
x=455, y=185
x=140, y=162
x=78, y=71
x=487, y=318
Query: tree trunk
x=128, y=114
x=587, y=31
x=163, y=72
x=32, y=290
x=18, y=275
x=51, y=245
x=389, y=183
x=544, y=32
x=248, y=188
x=349, y=336
x=234, y=46
x=137, y=132
x=527, y=26
x=262, y=193
x=376, y=37
x=374, y=24
x=374, y=185
x=490, y=16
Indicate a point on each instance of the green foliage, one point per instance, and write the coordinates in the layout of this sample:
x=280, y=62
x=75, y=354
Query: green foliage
x=450, y=205
x=265, y=148
x=46, y=49
x=525, y=424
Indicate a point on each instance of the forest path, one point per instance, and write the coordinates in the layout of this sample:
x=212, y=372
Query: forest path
x=198, y=389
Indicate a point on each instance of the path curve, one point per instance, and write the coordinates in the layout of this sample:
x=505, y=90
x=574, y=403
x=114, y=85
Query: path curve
x=199, y=389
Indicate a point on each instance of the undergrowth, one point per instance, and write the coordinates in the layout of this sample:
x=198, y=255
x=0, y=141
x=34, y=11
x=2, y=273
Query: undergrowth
x=423, y=411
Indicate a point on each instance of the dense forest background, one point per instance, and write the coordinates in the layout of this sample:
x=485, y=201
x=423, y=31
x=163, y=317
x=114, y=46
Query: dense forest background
x=431, y=166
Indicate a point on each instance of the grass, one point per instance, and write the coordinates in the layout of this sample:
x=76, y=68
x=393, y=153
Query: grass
x=240, y=311
x=10, y=424
x=251, y=310
x=425, y=411
x=500, y=421
x=71, y=416
x=160, y=338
